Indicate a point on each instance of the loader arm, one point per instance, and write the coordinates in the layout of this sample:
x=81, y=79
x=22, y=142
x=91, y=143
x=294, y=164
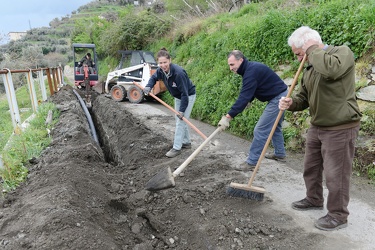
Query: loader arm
x=124, y=73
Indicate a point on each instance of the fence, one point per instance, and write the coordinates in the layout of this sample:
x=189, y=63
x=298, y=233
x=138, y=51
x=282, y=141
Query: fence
x=55, y=81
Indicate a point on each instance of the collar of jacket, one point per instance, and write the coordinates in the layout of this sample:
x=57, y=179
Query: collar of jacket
x=241, y=70
x=171, y=71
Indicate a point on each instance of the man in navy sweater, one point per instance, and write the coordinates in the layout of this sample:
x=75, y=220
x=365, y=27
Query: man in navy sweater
x=258, y=81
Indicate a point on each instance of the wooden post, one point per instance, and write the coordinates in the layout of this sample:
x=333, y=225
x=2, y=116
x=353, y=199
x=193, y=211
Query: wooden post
x=51, y=90
x=33, y=99
x=12, y=101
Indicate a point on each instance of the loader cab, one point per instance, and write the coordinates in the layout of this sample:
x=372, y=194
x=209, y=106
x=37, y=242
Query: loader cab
x=131, y=58
x=79, y=51
x=136, y=66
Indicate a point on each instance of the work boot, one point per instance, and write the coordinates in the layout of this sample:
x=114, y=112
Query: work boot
x=328, y=223
x=244, y=167
x=304, y=205
x=173, y=153
x=186, y=145
x=274, y=157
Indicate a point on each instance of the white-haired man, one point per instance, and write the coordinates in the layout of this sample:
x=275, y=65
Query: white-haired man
x=328, y=90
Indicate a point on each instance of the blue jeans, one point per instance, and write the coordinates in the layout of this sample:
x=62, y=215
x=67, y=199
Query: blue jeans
x=182, y=135
x=263, y=129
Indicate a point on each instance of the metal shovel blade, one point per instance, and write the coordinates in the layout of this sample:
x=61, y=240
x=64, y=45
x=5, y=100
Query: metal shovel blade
x=162, y=180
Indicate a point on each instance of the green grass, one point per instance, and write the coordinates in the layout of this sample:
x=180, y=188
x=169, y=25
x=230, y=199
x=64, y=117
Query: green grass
x=24, y=145
x=18, y=146
x=261, y=31
x=6, y=126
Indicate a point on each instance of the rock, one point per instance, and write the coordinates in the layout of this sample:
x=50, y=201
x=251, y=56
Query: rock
x=136, y=228
x=288, y=81
x=202, y=211
x=367, y=93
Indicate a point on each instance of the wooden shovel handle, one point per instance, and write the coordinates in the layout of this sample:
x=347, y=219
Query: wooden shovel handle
x=192, y=156
x=173, y=110
x=276, y=122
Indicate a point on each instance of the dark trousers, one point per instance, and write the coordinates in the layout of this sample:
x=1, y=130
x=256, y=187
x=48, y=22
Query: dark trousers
x=333, y=153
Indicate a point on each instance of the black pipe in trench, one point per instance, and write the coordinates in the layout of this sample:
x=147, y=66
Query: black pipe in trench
x=88, y=116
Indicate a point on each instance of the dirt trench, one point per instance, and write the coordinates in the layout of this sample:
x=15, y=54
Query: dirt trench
x=81, y=195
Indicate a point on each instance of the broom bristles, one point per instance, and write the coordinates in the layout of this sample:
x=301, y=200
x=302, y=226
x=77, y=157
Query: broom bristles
x=234, y=192
x=246, y=191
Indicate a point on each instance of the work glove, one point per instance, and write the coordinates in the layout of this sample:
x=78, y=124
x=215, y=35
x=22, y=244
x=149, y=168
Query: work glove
x=180, y=115
x=146, y=90
x=224, y=122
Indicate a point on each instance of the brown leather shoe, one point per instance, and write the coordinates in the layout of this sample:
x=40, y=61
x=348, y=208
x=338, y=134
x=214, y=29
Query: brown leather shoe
x=274, y=157
x=304, y=204
x=328, y=223
x=244, y=167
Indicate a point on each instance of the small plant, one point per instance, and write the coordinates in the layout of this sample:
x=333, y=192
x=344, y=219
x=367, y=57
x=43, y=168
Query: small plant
x=371, y=171
x=368, y=122
x=25, y=145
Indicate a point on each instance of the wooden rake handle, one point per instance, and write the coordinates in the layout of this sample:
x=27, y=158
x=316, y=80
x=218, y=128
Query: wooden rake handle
x=276, y=122
x=174, y=111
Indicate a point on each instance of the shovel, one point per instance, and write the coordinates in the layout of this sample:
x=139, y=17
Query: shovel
x=173, y=110
x=165, y=178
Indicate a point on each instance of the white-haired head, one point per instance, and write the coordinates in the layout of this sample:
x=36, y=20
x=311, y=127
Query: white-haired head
x=303, y=34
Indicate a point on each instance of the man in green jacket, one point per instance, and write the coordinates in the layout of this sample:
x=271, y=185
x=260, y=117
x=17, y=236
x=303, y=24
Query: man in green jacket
x=328, y=90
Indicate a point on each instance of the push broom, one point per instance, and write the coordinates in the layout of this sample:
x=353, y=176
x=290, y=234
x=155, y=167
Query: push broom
x=247, y=190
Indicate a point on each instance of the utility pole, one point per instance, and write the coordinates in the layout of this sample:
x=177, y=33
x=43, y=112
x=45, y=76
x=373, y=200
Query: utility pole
x=29, y=25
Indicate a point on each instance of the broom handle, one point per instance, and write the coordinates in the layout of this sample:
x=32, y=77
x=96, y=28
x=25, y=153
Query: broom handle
x=192, y=156
x=276, y=122
x=173, y=110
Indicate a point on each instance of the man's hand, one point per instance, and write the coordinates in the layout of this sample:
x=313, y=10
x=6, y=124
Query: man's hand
x=180, y=115
x=146, y=90
x=285, y=102
x=308, y=44
x=224, y=122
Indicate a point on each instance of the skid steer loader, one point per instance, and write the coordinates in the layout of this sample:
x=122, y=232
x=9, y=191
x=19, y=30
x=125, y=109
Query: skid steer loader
x=135, y=66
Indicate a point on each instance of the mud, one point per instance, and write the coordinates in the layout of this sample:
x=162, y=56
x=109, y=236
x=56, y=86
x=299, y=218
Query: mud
x=84, y=195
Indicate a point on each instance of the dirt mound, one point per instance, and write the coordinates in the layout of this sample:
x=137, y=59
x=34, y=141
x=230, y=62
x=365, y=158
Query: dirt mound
x=81, y=195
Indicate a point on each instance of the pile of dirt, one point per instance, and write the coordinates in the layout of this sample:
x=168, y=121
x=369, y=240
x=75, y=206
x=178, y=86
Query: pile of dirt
x=81, y=195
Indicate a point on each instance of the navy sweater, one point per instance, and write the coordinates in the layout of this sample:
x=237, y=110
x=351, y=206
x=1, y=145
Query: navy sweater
x=258, y=81
x=177, y=82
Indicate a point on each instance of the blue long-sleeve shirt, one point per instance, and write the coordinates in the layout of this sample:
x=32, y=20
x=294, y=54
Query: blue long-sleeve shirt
x=258, y=81
x=177, y=82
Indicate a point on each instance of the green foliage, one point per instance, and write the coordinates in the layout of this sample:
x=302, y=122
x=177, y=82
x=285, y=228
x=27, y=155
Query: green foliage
x=261, y=32
x=296, y=125
x=6, y=126
x=133, y=32
x=371, y=172
x=349, y=22
x=25, y=145
x=364, y=163
x=368, y=122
